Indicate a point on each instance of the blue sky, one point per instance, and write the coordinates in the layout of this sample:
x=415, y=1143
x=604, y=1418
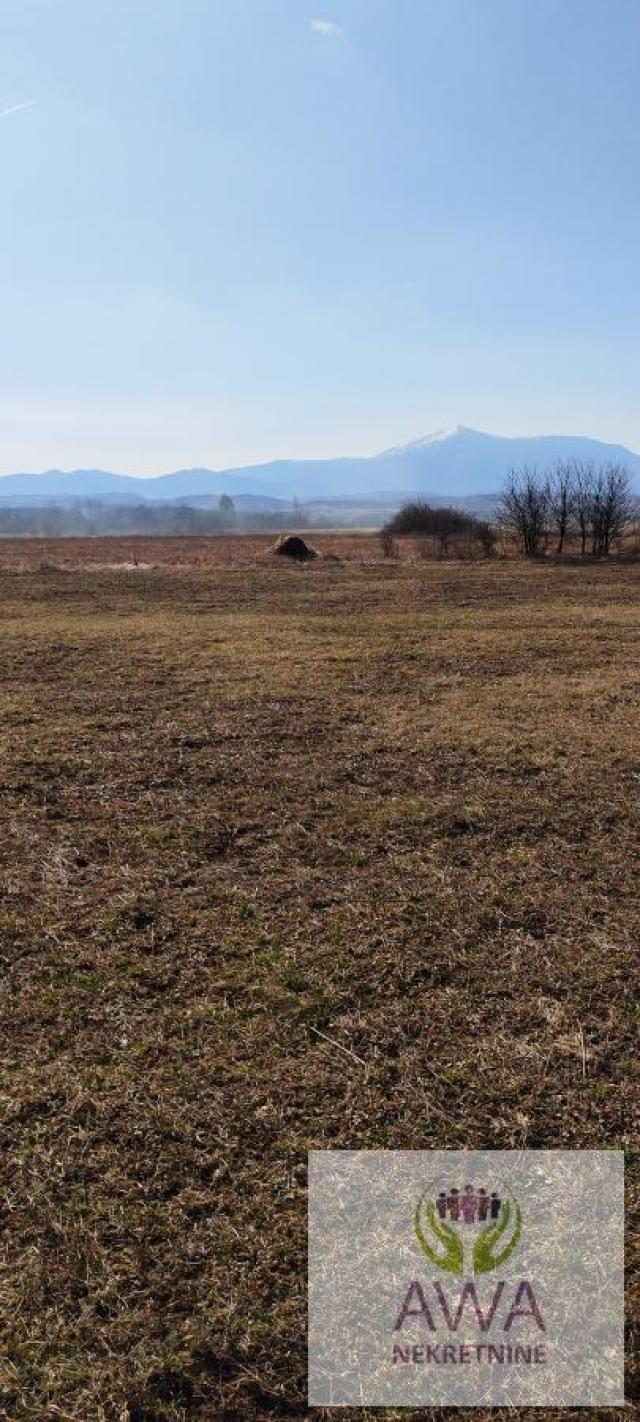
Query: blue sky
x=235, y=230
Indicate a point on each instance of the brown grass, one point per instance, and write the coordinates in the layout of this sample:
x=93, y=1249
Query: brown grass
x=241, y=550
x=247, y=805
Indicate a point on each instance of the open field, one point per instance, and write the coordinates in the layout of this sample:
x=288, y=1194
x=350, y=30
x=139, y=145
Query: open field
x=339, y=856
x=241, y=550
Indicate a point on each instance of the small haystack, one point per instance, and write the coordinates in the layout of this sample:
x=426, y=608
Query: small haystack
x=296, y=548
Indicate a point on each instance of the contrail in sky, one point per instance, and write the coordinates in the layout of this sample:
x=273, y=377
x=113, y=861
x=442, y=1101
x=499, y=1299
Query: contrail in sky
x=17, y=108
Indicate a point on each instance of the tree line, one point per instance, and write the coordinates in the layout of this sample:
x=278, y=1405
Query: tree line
x=576, y=499
x=538, y=510
x=92, y=518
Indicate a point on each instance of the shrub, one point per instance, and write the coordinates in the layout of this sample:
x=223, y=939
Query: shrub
x=443, y=530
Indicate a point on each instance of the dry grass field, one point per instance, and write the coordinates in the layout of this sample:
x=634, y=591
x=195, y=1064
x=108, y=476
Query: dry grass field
x=343, y=855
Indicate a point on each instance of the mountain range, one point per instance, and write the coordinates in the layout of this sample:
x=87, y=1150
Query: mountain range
x=454, y=463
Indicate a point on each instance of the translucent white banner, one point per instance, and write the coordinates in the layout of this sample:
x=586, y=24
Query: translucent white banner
x=466, y=1278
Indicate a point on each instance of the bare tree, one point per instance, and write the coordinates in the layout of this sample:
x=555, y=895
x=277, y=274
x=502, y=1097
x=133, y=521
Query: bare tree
x=584, y=478
x=227, y=508
x=524, y=509
x=611, y=507
x=560, y=490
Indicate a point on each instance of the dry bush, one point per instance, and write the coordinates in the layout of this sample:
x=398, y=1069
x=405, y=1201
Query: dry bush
x=388, y=543
x=441, y=532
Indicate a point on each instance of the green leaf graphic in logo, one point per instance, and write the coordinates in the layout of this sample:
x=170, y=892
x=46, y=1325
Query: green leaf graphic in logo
x=487, y=1254
x=434, y=1232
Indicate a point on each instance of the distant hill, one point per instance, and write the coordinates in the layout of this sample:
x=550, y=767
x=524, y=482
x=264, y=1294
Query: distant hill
x=460, y=463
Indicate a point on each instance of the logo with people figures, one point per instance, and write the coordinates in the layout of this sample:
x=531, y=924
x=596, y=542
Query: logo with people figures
x=470, y=1231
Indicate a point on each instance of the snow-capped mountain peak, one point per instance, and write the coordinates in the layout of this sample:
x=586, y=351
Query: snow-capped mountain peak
x=457, y=462
x=424, y=441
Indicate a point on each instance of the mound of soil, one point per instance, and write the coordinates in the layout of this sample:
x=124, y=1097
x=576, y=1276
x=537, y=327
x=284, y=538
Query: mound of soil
x=295, y=547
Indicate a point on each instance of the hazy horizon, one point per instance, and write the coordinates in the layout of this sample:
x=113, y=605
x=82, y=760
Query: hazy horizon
x=239, y=233
x=297, y=458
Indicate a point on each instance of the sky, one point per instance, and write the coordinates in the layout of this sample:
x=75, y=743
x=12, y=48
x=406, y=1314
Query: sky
x=239, y=230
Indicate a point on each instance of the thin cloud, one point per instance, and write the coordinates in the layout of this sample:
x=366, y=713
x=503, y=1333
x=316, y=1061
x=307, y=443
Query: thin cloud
x=329, y=28
x=17, y=108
